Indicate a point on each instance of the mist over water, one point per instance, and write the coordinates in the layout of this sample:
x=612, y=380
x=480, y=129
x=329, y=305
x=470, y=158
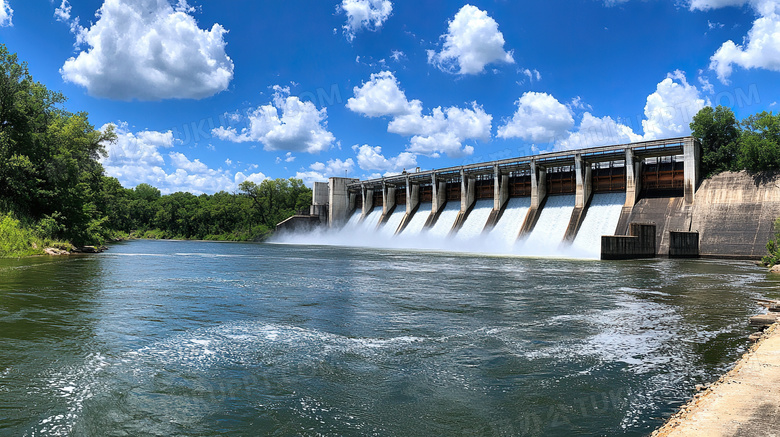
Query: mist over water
x=212, y=339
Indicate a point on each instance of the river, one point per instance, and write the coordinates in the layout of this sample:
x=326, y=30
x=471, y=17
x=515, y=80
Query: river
x=207, y=339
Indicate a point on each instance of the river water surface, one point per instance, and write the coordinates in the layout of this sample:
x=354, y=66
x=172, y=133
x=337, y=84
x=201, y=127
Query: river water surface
x=194, y=338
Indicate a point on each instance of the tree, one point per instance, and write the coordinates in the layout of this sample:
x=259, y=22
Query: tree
x=277, y=199
x=760, y=143
x=718, y=132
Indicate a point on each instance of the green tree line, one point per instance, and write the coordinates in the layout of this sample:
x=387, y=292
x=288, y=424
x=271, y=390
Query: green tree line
x=752, y=144
x=54, y=191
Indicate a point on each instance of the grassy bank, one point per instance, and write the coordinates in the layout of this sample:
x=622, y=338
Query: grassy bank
x=18, y=239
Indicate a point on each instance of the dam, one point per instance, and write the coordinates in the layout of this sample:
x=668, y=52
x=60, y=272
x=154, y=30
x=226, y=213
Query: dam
x=634, y=200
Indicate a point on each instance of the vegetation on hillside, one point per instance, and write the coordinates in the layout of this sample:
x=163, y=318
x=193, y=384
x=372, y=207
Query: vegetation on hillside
x=773, y=248
x=54, y=189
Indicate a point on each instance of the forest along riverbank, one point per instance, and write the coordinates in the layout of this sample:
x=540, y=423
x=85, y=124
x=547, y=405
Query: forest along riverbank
x=743, y=402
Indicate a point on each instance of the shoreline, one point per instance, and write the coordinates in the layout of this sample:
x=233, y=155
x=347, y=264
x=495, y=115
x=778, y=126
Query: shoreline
x=744, y=401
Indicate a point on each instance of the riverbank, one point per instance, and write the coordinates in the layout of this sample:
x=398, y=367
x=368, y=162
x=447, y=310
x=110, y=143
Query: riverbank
x=743, y=402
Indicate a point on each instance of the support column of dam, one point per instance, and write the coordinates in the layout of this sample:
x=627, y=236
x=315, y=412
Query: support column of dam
x=412, y=204
x=583, y=172
x=633, y=188
x=439, y=200
x=338, y=201
x=691, y=154
x=500, y=197
x=468, y=196
x=388, y=197
x=538, y=197
x=368, y=201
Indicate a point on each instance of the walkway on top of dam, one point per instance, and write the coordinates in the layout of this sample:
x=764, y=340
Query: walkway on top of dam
x=641, y=150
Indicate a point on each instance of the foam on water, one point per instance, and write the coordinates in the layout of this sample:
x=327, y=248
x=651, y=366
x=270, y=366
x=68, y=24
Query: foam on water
x=475, y=222
x=601, y=219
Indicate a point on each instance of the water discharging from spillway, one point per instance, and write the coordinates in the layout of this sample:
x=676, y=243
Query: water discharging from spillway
x=394, y=221
x=601, y=219
x=551, y=227
x=416, y=224
x=475, y=223
x=446, y=220
x=506, y=231
x=546, y=239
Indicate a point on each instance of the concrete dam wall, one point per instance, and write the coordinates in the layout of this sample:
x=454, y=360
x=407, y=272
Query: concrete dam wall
x=560, y=203
x=734, y=214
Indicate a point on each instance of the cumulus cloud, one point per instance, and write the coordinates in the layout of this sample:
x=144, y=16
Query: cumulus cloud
x=594, y=131
x=320, y=172
x=670, y=109
x=62, y=13
x=471, y=42
x=6, y=14
x=300, y=127
x=136, y=158
x=540, y=117
x=761, y=48
x=443, y=131
x=371, y=158
x=381, y=96
x=148, y=50
x=668, y=113
x=365, y=14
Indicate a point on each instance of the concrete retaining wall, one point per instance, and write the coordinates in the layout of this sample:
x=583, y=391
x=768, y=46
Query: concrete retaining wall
x=640, y=243
x=683, y=244
x=734, y=214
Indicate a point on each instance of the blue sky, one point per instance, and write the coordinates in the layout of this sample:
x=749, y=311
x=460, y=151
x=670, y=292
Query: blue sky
x=206, y=94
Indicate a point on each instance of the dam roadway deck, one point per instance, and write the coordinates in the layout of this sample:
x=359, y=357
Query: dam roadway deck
x=744, y=402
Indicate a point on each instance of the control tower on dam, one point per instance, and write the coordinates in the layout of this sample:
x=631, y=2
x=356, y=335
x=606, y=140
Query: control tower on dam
x=571, y=197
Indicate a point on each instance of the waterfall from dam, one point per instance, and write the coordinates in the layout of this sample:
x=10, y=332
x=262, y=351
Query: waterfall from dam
x=370, y=223
x=601, y=219
x=446, y=220
x=508, y=228
x=553, y=221
x=475, y=222
x=392, y=223
x=546, y=239
x=416, y=224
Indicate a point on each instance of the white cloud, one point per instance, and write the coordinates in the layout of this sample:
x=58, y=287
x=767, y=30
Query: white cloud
x=713, y=26
x=704, y=5
x=371, y=158
x=398, y=55
x=381, y=96
x=540, y=117
x=670, y=109
x=471, y=42
x=595, y=131
x=365, y=14
x=228, y=162
x=444, y=131
x=135, y=158
x=704, y=81
x=320, y=172
x=62, y=13
x=6, y=14
x=301, y=127
x=149, y=50
x=761, y=48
